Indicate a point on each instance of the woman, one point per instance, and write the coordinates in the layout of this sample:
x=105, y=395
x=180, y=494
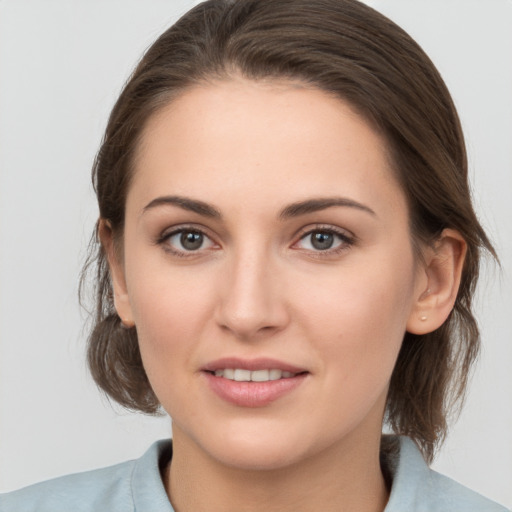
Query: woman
x=287, y=254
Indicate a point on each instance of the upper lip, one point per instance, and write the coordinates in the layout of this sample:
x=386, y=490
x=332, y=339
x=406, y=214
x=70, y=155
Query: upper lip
x=262, y=363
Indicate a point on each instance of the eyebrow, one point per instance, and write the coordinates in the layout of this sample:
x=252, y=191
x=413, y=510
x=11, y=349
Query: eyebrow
x=315, y=205
x=292, y=210
x=192, y=205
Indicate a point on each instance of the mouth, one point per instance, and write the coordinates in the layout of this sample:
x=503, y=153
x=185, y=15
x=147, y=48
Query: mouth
x=253, y=383
x=242, y=375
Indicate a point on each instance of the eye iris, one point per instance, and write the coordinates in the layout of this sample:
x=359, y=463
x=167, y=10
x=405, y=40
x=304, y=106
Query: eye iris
x=322, y=240
x=191, y=240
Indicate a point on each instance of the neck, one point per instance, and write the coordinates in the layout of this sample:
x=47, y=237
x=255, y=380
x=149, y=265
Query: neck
x=343, y=478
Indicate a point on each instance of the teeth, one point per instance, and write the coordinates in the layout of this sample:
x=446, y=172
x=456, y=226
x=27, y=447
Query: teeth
x=229, y=374
x=275, y=374
x=260, y=375
x=240, y=375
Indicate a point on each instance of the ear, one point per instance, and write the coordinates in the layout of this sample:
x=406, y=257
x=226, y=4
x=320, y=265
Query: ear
x=438, y=291
x=121, y=299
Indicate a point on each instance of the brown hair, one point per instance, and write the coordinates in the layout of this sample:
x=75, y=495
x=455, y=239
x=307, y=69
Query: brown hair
x=351, y=51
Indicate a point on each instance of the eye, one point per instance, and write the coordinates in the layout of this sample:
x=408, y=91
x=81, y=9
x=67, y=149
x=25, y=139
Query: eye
x=324, y=240
x=186, y=241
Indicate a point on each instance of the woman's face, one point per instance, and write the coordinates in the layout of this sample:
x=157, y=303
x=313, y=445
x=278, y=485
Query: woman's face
x=269, y=270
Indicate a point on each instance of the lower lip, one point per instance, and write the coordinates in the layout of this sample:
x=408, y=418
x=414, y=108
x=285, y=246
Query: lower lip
x=252, y=394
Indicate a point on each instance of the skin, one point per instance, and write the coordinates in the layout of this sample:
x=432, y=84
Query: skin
x=258, y=287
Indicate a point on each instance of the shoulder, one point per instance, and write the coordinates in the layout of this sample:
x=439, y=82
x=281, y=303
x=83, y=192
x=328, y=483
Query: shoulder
x=447, y=494
x=108, y=487
x=418, y=488
x=115, y=488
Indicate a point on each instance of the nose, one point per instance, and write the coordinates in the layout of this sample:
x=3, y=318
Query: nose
x=252, y=302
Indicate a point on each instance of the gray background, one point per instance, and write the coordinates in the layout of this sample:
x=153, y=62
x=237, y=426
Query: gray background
x=62, y=64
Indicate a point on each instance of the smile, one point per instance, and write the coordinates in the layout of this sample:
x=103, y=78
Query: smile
x=253, y=382
x=242, y=375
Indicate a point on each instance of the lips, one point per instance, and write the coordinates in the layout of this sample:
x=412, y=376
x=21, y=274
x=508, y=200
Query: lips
x=252, y=383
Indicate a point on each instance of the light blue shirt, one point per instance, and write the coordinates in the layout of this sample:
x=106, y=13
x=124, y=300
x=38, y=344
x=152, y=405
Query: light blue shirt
x=136, y=486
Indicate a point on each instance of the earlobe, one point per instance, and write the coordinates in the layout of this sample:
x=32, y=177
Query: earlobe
x=443, y=268
x=121, y=299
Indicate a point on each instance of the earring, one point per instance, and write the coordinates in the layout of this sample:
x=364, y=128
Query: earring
x=423, y=318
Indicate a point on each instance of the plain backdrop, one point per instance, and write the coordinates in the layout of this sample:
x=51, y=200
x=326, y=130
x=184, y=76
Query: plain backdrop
x=62, y=64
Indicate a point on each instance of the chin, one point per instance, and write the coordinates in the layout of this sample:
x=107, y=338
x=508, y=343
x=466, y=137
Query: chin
x=254, y=449
x=252, y=456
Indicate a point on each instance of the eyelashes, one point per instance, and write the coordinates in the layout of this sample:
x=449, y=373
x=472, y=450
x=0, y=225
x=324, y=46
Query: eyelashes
x=186, y=241
x=189, y=241
x=319, y=241
x=324, y=240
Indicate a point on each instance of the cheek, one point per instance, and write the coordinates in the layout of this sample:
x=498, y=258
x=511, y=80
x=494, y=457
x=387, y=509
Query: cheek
x=166, y=308
x=359, y=320
x=169, y=315
x=169, y=306
x=169, y=310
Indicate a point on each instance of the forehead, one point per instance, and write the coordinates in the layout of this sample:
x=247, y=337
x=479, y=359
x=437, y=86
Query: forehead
x=274, y=139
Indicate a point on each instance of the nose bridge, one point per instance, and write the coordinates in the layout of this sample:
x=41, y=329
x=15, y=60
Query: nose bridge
x=251, y=301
